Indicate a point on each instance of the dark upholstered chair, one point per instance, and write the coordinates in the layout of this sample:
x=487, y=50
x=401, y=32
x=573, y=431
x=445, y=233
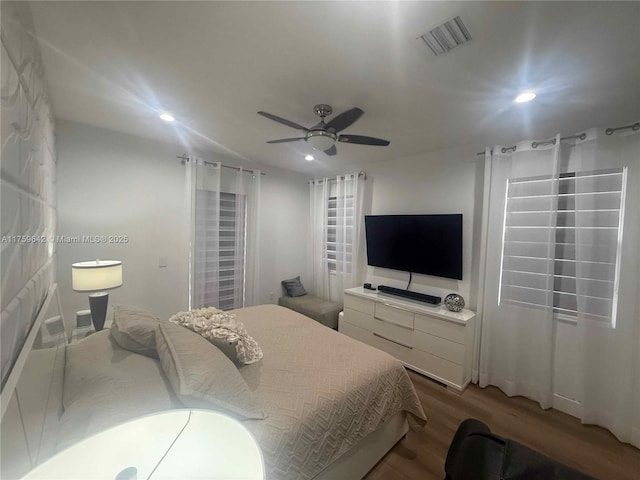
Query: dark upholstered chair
x=477, y=454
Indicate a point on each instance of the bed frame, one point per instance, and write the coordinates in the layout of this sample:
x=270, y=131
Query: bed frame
x=32, y=407
x=364, y=456
x=31, y=398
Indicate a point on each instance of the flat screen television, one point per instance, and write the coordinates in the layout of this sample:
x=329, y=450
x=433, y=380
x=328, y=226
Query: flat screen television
x=427, y=244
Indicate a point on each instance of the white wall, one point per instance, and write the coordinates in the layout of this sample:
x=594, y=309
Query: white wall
x=110, y=183
x=284, y=233
x=436, y=182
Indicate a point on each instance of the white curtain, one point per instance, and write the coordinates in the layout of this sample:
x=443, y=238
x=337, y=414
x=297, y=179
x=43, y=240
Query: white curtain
x=516, y=345
x=248, y=185
x=336, y=236
x=561, y=248
x=610, y=378
x=349, y=234
x=204, y=188
x=225, y=216
x=318, y=213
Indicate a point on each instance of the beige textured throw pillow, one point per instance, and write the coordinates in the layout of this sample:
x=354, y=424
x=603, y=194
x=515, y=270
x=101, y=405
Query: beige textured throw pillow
x=201, y=375
x=134, y=329
x=224, y=331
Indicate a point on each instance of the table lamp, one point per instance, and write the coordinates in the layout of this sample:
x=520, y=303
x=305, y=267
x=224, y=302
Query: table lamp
x=97, y=276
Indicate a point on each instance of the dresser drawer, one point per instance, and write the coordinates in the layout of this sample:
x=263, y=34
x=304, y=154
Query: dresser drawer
x=440, y=328
x=439, y=347
x=396, y=315
x=359, y=304
x=432, y=365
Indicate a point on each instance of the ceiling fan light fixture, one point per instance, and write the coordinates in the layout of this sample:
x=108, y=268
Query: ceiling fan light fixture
x=321, y=140
x=525, y=97
x=309, y=158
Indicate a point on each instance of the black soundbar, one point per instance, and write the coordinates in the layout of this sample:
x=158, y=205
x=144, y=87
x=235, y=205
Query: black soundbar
x=421, y=297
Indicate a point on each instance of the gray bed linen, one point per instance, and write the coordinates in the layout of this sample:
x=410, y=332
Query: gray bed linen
x=322, y=391
x=106, y=385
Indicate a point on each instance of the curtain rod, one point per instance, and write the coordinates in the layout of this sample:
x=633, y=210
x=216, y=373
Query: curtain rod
x=361, y=173
x=581, y=136
x=185, y=159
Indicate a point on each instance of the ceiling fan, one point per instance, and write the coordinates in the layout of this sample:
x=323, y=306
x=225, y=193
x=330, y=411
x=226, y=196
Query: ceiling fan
x=323, y=136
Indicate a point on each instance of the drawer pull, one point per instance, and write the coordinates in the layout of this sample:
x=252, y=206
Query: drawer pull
x=393, y=323
x=397, y=307
x=393, y=341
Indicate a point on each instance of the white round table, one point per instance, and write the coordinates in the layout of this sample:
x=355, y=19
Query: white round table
x=175, y=444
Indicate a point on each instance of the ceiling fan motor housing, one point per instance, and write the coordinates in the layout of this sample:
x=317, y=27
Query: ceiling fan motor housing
x=323, y=110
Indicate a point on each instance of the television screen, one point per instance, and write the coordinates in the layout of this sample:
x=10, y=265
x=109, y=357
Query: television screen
x=427, y=244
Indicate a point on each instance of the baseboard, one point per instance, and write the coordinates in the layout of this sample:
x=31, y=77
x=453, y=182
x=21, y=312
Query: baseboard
x=567, y=405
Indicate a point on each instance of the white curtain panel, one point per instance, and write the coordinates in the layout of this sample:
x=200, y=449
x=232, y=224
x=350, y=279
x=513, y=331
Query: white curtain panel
x=247, y=190
x=205, y=238
x=562, y=241
x=318, y=228
x=609, y=324
x=516, y=344
x=349, y=220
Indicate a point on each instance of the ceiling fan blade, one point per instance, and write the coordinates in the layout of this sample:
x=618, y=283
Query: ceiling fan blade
x=284, y=140
x=332, y=150
x=362, y=140
x=284, y=121
x=345, y=119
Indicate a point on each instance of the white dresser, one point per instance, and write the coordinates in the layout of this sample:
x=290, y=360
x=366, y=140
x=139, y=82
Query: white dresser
x=428, y=339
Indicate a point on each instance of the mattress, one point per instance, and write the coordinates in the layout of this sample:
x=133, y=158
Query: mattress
x=322, y=392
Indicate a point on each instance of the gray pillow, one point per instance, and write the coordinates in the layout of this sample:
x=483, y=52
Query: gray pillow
x=293, y=287
x=134, y=329
x=201, y=375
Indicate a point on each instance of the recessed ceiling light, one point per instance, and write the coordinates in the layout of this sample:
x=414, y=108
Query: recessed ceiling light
x=308, y=158
x=525, y=97
x=167, y=117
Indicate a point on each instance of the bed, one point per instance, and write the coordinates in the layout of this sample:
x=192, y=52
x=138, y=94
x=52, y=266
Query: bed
x=332, y=406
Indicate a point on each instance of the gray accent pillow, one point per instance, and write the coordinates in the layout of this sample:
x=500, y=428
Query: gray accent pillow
x=134, y=329
x=201, y=375
x=293, y=287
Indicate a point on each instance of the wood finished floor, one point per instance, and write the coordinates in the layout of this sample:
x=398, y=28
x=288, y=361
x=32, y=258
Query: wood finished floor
x=421, y=455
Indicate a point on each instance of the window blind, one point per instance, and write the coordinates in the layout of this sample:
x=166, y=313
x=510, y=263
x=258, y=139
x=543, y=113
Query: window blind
x=339, y=245
x=219, y=240
x=561, y=243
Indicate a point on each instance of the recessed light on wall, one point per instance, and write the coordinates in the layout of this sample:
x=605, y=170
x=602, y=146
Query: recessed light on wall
x=308, y=158
x=524, y=97
x=167, y=117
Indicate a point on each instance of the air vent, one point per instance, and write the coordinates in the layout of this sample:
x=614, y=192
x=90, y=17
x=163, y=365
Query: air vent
x=446, y=36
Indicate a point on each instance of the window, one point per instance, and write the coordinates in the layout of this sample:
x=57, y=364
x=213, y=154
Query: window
x=339, y=246
x=577, y=240
x=220, y=249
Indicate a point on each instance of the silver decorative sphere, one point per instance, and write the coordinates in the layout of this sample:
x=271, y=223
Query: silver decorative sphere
x=454, y=302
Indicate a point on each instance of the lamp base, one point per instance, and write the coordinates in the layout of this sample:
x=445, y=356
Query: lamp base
x=98, y=304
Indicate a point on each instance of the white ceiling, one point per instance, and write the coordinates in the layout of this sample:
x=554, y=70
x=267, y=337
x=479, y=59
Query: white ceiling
x=215, y=64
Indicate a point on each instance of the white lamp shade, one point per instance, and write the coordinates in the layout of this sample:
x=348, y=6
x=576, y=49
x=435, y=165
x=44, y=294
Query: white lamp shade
x=321, y=142
x=96, y=275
